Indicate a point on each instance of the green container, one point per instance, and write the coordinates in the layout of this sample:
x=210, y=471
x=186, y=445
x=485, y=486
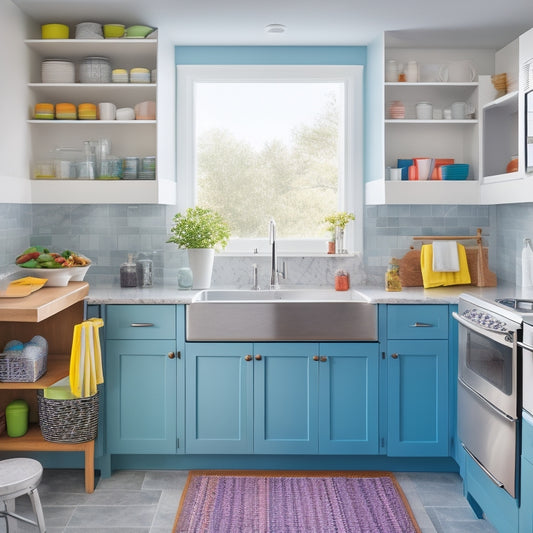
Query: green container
x=17, y=415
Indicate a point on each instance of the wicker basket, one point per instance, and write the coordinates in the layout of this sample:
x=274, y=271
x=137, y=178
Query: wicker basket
x=68, y=420
x=21, y=369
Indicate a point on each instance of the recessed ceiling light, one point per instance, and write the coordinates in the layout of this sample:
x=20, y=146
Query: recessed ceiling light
x=275, y=28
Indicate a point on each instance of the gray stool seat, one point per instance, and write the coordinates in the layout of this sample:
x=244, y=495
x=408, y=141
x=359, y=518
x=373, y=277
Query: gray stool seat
x=17, y=477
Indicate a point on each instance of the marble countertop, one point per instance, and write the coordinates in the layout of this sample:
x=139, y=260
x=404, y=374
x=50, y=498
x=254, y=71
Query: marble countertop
x=159, y=294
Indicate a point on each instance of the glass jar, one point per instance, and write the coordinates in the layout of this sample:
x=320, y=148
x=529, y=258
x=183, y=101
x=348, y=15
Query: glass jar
x=392, y=277
x=144, y=272
x=128, y=273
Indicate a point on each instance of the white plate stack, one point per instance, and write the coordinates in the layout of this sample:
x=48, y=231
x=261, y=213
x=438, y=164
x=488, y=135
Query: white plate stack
x=58, y=71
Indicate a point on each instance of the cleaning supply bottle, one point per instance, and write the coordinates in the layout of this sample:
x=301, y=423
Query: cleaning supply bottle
x=527, y=264
x=392, y=277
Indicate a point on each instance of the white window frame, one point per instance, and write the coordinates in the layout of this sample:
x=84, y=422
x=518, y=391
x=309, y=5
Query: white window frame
x=351, y=187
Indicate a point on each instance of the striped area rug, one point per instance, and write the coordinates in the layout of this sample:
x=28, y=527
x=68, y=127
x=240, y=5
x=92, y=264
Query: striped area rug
x=293, y=502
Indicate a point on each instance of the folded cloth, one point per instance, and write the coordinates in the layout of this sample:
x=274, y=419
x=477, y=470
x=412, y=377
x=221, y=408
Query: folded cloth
x=438, y=279
x=445, y=256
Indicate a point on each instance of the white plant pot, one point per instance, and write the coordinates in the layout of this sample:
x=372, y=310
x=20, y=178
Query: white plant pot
x=201, y=264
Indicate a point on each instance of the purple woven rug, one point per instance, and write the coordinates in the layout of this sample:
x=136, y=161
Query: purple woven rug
x=295, y=502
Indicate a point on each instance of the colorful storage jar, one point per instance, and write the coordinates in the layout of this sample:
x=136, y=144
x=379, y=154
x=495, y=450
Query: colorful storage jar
x=44, y=111
x=54, y=31
x=66, y=111
x=17, y=416
x=87, y=111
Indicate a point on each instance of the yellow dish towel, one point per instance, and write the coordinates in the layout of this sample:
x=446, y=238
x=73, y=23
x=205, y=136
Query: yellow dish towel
x=86, y=371
x=439, y=279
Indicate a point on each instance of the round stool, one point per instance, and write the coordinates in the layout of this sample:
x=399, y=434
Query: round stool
x=17, y=477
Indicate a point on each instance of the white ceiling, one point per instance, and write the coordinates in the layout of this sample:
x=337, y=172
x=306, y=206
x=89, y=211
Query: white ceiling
x=461, y=23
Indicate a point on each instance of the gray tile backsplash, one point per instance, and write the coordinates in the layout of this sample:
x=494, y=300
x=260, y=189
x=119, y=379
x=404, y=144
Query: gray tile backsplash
x=108, y=233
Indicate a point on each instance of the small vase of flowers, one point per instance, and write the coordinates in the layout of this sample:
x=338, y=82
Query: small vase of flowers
x=336, y=225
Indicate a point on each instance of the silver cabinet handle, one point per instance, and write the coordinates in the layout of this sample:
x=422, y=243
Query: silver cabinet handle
x=141, y=325
x=421, y=325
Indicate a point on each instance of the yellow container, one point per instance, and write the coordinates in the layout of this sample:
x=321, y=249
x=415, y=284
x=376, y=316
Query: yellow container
x=113, y=31
x=54, y=31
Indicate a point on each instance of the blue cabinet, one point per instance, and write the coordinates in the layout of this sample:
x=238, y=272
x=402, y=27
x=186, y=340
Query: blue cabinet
x=285, y=398
x=348, y=398
x=282, y=398
x=141, y=366
x=219, y=398
x=417, y=381
x=525, y=516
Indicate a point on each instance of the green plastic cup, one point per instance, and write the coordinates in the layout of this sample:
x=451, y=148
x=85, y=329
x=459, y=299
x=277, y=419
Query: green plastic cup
x=17, y=415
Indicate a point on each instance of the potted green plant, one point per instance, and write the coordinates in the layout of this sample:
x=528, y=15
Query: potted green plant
x=200, y=231
x=336, y=225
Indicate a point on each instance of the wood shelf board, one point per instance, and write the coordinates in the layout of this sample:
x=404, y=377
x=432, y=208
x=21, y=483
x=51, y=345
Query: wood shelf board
x=33, y=440
x=57, y=367
x=43, y=303
x=59, y=122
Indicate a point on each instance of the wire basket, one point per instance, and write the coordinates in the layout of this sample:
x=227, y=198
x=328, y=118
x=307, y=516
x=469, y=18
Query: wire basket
x=73, y=420
x=21, y=369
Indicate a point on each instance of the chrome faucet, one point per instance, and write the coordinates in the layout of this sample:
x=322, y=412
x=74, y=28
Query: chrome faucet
x=274, y=272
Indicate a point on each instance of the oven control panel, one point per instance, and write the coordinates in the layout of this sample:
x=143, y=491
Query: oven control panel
x=485, y=320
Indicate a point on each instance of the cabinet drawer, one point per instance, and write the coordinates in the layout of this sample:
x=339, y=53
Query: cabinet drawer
x=141, y=322
x=417, y=322
x=527, y=436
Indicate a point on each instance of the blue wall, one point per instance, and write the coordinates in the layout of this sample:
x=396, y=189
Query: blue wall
x=270, y=55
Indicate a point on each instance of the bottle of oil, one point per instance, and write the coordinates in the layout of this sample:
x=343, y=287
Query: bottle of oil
x=392, y=277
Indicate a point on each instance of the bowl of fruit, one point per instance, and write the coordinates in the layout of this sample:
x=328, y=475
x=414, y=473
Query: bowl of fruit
x=57, y=268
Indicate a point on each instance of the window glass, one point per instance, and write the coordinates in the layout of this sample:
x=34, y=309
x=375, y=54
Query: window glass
x=282, y=142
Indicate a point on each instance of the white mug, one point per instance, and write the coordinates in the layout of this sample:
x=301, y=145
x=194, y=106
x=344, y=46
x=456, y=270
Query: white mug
x=107, y=110
x=395, y=174
x=460, y=110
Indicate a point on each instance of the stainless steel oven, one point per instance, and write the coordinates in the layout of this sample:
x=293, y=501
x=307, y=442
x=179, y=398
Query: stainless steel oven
x=488, y=396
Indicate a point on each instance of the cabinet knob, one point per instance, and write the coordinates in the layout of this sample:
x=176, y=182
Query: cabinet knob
x=316, y=358
x=323, y=359
x=394, y=356
x=258, y=357
x=171, y=355
x=248, y=357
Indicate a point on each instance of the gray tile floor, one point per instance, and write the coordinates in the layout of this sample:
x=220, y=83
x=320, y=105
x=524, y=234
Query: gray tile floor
x=146, y=502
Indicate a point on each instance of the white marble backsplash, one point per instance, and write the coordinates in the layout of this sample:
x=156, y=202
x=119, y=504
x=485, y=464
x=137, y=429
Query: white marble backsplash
x=317, y=271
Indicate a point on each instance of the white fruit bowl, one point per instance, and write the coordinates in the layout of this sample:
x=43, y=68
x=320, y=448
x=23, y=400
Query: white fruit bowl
x=57, y=277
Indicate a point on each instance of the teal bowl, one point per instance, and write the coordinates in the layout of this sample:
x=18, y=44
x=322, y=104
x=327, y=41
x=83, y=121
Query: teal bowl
x=459, y=171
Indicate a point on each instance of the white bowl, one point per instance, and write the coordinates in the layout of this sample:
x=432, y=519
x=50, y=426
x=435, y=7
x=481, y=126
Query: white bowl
x=58, y=277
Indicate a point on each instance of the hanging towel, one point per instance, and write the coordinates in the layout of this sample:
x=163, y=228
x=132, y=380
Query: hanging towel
x=445, y=256
x=431, y=278
x=86, y=371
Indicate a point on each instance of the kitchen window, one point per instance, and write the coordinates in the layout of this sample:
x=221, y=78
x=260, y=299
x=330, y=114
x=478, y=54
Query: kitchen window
x=256, y=142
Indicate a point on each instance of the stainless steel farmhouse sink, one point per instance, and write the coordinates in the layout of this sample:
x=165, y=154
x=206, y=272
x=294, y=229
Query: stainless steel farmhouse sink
x=284, y=315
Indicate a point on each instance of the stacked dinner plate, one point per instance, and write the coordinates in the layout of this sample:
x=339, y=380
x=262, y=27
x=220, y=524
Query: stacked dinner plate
x=58, y=71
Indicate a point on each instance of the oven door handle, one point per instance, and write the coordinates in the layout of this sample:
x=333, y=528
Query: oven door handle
x=525, y=346
x=485, y=401
x=498, y=336
x=498, y=483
